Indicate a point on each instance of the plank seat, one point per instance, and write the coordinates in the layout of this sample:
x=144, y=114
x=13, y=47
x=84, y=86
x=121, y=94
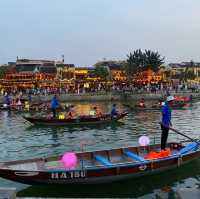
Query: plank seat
x=103, y=160
x=134, y=156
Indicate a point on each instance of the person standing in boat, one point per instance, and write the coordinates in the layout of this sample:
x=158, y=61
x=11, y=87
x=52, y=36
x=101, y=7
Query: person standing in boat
x=54, y=105
x=114, y=111
x=166, y=121
x=7, y=99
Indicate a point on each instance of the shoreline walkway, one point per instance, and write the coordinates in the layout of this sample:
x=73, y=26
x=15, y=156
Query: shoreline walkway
x=109, y=96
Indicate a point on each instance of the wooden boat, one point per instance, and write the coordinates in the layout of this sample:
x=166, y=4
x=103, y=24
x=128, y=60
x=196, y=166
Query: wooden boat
x=33, y=108
x=98, y=166
x=175, y=106
x=81, y=120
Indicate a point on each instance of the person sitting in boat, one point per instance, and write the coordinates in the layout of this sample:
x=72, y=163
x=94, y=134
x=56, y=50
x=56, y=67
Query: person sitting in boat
x=71, y=112
x=98, y=113
x=26, y=106
x=141, y=103
x=114, y=111
x=158, y=104
x=54, y=105
x=19, y=103
x=93, y=111
x=13, y=103
x=61, y=116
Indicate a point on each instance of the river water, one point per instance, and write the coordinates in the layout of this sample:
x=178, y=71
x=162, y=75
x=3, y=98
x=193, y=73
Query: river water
x=20, y=140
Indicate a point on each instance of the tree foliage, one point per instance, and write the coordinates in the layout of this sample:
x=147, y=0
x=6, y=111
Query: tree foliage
x=101, y=72
x=153, y=60
x=188, y=74
x=140, y=61
x=3, y=70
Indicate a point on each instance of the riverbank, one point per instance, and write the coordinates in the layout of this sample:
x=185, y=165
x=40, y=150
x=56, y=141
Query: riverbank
x=108, y=96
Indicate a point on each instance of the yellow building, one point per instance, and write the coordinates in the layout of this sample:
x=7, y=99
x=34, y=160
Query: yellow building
x=118, y=75
x=151, y=76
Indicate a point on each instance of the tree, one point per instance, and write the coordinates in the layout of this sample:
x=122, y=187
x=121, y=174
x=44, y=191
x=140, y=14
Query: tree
x=188, y=74
x=134, y=63
x=101, y=72
x=139, y=61
x=153, y=60
x=3, y=70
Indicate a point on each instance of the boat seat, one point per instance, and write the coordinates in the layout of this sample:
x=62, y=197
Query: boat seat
x=104, y=161
x=134, y=156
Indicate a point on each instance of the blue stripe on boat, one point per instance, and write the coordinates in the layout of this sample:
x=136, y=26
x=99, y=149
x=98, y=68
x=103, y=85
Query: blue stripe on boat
x=103, y=160
x=189, y=147
x=134, y=156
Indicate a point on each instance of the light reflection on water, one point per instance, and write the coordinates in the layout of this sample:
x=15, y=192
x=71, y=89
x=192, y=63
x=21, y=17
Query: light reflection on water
x=19, y=140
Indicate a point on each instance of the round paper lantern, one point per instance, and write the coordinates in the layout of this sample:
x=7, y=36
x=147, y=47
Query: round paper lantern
x=69, y=159
x=144, y=140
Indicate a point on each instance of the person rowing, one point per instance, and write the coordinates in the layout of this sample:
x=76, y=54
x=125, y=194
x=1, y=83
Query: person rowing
x=166, y=121
x=54, y=105
x=114, y=111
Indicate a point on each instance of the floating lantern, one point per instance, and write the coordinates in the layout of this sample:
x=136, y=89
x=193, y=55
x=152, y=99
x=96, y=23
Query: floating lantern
x=144, y=140
x=69, y=160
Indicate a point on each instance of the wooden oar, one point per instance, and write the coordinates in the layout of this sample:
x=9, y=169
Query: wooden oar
x=178, y=132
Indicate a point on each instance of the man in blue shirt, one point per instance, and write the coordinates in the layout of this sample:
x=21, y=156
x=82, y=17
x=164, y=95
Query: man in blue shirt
x=114, y=110
x=54, y=105
x=7, y=99
x=166, y=121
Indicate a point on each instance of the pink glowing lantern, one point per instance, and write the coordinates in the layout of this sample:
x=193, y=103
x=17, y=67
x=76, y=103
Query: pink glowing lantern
x=69, y=160
x=144, y=140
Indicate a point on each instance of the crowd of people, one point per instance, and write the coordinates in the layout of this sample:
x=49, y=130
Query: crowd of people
x=103, y=87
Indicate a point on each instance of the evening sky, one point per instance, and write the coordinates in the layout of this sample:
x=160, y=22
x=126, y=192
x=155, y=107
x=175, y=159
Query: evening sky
x=87, y=31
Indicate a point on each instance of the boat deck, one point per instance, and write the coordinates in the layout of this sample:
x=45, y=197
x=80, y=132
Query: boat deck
x=87, y=160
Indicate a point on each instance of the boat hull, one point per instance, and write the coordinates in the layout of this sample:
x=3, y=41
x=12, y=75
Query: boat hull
x=78, y=121
x=98, y=175
x=134, y=108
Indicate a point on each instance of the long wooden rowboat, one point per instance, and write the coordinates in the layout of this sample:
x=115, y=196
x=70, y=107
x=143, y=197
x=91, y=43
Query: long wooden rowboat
x=157, y=108
x=33, y=108
x=82, y=120
x=98, y=166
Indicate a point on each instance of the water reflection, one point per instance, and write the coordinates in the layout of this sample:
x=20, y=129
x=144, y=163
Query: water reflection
x=21, y=141
x=164, y=185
